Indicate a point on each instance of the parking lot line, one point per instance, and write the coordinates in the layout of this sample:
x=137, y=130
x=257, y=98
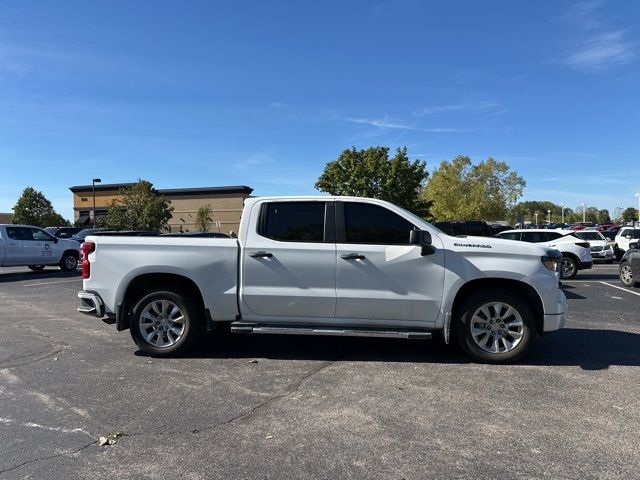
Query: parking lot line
x=49, y=283
x=620, y=288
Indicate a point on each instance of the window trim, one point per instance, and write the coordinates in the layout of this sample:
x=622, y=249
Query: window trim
x=341, y=235
x=328, y=231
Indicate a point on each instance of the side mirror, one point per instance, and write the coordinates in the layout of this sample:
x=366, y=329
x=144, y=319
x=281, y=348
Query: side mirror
x=423, y=239
x=419, y=237
x=55, y=239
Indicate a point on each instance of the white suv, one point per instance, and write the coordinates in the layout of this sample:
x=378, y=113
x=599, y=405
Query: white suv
x=576, y=253
x=601, y=249
x=625, y=236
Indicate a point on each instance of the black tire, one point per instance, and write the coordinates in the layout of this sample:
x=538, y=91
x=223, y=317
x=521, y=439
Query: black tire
x=618, y=253
x=626, y=275
x=609, y=262
x=69, y=262
x=36, y=268
x=193, y=319
x=568, y=268
x=464, y=324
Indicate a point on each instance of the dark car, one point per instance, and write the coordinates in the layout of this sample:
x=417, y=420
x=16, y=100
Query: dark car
x=630, y=266
x=197, y=234
x=611, y=232
x=63, y=232
x=82, y=234
x=475, y=228
x=127, y=233
x=496, y=228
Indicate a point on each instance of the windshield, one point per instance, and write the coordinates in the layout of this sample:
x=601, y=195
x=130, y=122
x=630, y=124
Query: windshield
x=590, y=235
x=50, y=230
x=421, y=222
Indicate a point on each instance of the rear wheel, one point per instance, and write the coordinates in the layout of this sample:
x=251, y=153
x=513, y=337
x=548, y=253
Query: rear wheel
x=626, y=275
x=568, y=268
x=495, y=326
x=69, y=262
x=165, y=323
x=36, y=268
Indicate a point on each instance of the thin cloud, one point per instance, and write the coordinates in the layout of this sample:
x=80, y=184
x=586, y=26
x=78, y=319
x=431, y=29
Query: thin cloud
x=385, y=123
x=599, y=44
x=606, y=49
x=485, y=106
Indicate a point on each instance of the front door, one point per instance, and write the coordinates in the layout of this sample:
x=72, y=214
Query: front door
x=43, y=249
x=380, y=276
x=289, y=262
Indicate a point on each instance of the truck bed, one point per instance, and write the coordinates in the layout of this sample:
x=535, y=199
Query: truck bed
x=211, y=263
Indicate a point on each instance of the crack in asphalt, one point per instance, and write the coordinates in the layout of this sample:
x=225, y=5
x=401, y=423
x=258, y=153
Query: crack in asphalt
x=39, y=459
x=293, y=388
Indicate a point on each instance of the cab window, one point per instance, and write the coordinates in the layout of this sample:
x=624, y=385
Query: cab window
x=39, y=235
x=374, y=225
x=511, y=235
x=293, y=221
x=18, y=233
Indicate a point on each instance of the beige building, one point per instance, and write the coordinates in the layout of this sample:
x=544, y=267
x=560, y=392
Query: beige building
x=226, y=202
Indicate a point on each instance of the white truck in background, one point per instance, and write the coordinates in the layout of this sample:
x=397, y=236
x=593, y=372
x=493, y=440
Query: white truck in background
x=326, y=266
x=24, y=245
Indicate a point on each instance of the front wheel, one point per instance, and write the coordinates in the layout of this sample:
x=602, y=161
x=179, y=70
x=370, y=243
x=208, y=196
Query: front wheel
x=165, y=323
x=626, y=275
x=69, y=262
x=568, y=268
x=495, y=326
x=36, y=268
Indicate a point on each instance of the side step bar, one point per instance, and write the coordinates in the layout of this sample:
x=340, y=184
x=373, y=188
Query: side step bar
x=245, y=327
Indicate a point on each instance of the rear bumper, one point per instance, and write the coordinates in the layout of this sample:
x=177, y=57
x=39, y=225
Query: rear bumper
x=556, y=320
x=585, y=265
x=91, y=304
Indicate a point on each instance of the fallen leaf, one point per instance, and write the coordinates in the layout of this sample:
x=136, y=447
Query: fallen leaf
x=253, y=361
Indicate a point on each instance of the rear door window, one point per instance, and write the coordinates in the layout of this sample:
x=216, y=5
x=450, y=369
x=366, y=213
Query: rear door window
x=511, y=235
x=293, y=221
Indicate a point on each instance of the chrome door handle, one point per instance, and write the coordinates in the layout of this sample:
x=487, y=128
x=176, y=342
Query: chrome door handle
x=352, y=256
x=261, y=254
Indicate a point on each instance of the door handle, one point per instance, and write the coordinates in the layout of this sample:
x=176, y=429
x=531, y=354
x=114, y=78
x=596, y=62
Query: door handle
x=352, y=256
x=261, y=254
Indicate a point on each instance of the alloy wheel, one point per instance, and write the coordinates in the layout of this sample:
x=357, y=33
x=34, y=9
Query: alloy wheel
x=161, y=323
x=497, y=327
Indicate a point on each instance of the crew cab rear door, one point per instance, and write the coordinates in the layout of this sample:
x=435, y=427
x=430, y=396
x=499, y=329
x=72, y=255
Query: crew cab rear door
x=380, y=276
x=289, y=262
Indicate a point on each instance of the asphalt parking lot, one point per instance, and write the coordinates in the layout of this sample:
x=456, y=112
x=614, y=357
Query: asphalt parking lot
x=265, y=407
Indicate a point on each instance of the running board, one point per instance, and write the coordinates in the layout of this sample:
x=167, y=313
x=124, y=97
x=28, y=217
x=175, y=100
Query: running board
x=244, y=327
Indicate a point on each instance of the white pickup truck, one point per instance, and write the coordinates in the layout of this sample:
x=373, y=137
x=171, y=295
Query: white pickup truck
x=326, y=266
x=24, y=245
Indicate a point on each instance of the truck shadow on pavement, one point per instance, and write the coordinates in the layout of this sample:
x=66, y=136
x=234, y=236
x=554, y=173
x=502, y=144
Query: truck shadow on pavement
x=29, y=275
x=589, y=349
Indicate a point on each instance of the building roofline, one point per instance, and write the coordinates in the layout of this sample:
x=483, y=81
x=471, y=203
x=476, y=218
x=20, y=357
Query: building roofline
x=167, y=191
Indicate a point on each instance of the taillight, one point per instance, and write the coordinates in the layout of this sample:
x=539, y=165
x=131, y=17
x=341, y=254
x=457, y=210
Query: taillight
x=85, y=249
x=583, y=244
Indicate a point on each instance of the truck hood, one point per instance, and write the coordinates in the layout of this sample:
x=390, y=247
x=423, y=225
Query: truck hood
x=69, y=244
x=492, y=245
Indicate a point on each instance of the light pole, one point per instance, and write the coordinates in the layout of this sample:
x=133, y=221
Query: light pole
x=562, y=207
x=549, y=214
x=93, y=189
x=638, y=195
x=536, y=214
x=584, y=212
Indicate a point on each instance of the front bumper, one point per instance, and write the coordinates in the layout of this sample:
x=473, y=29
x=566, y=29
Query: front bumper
x=91, y=304
x=555, y=321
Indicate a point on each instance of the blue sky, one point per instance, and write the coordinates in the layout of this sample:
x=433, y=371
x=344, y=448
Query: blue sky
x=204, y=93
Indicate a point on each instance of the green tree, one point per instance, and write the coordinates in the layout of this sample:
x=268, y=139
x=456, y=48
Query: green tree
x=140, y=208
x=33, y=208
x=630, y=214
x=371, y=173
x=460, y=190
x=204, y=217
